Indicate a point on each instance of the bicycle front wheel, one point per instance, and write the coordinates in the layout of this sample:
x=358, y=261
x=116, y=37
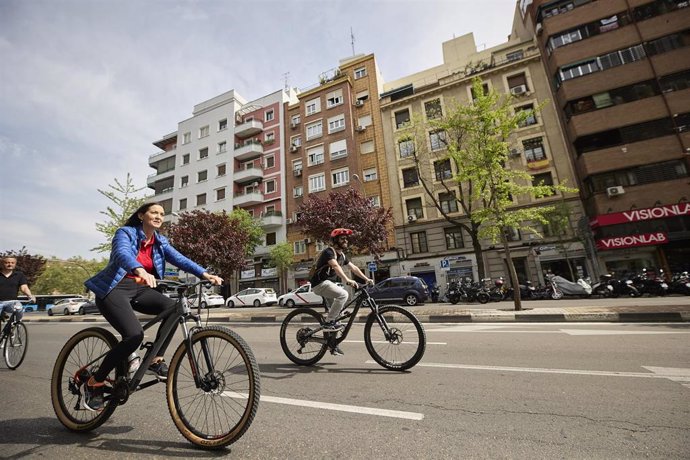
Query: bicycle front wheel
x=401, y=344
x=15, y=345
x=220, y=409
x=72, y=370
x=297, y=339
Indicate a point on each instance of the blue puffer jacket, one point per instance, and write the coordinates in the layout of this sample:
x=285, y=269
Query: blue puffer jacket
x=123, y=260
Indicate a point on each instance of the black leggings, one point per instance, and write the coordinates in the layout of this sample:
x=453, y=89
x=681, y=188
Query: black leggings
x=118, y=308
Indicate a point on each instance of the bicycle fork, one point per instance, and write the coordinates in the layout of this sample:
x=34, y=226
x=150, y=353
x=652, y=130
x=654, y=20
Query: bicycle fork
x=209, y=381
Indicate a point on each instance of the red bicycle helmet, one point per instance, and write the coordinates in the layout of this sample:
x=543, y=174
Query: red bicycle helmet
x=341, y=231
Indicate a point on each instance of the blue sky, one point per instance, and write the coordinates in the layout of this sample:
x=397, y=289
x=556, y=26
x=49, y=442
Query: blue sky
x=88, y=85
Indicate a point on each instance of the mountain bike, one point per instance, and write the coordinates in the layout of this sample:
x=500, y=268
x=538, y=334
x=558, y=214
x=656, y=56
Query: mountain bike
x=213, y=386
x=14, y=339
x=394, y=337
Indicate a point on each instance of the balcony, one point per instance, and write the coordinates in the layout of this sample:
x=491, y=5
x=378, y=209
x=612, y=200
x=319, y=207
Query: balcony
x=161, y=155
x=248, y=151
x=248, y=174
x=155, y=177
x=248, y=198
x=248, y=128
x=272, y=219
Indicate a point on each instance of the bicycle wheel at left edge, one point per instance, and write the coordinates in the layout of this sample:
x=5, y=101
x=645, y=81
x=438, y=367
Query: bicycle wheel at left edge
x=70, y=373
x=221, y=408
x=16, y=345
x=403, y=346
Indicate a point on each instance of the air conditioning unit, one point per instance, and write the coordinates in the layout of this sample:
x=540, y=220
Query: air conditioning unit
x=359, y=103
x=514, y=153
x=411, y=218
x=361, y=129
x=538, y=29
x=288, y=221
x=516, y=91
x=307, y=240
x=293, y=125
x=293, y=148
x=615, y=191
x=297, y=172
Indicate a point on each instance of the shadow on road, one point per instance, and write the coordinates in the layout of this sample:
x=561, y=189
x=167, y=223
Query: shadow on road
x=280, y=371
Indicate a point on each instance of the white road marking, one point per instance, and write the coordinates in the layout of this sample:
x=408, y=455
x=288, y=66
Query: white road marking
x=672, y=373
x=332, y=406
x=585, y=332
x=404, y=343
x=610, y=332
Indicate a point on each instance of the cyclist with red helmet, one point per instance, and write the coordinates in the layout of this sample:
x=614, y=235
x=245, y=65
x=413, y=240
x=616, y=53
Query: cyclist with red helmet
x=329, y=267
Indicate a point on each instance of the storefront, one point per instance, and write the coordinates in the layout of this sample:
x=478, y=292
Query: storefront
x=261, y=278
x=567, y=260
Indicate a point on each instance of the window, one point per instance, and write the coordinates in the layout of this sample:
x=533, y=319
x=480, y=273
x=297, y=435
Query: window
x=203, y=153
x=362, y=96
x=336, y=124
x=668, y=43
x=184, y=181
x=370, y=175
x=313, y=106
x=406, y=147
x=402, y=118
x=295, y=120
x=187, y=138
x=375, y=201
x=317, y=183
x=269, y=138
x=299, y=247
x=414, y=207
x=647, y=174
x=185, y=159
x=534, y=149
x=360, y=73
x=269, y=210
x=201, y=199
x=297, y=191
x=442, y=169
x=512, y=234
x=220, y=170
x=437, y=140
x=203, y=131
x=297, y=165
x=202, y=176
x=543, y=179
x=366, y=147
x=270, y=186
x=268, y=116
x=340, y=177
x=270, y=239
x=530, y=117
x=419, y=243
x=433, y=109
x=517, y=83
x=364, y=121
x=338, y=149
x=578, y=70
x=485, y=90
x=453, y=238
x=223, y=124
x=222, y=147
x=183, y=204
x=315, y=155
x=334, y=98
x=448, y=202
x=410, y=177
x=296, y=141
x=220, y=194
x=270, y=162
x=314, y=130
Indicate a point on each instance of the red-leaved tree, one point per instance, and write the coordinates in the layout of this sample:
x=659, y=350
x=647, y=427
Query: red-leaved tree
x=348, y=209
x=31, y=265
x=214, y=240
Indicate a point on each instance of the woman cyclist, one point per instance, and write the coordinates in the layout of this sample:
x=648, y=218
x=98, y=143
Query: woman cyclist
x=137, y=259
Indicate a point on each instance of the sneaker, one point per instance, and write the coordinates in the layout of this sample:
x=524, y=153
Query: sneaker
x=335, y=351
x=93, y=397
x=159, y=369
x=331, y=326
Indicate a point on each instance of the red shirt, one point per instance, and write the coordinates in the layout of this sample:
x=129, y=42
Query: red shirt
x=145, y=256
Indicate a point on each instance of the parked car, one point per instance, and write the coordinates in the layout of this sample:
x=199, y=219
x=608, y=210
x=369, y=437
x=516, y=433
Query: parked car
x=407, y=289
x=68, y=306
x=303, y=295
x=253, y=297
x=210, y=299
x=89, y=308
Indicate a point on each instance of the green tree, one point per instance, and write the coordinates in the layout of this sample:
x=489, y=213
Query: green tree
x=350, y=209
x=281, y=257
x=125, y=202
x=67, y=276
x=31, y=265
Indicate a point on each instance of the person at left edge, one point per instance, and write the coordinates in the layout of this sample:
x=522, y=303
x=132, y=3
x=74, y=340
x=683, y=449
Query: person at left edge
x=137, y=258
x=11, y=281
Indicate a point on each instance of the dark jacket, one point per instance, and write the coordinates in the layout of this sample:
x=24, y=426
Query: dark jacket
x=123, y=260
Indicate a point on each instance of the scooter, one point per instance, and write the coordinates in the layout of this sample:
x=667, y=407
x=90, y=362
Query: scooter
x=434, y=293
x=562, y=287
x=603, y=288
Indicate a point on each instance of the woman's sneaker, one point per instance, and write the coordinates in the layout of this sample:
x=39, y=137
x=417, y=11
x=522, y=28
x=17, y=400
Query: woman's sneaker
x=159, y=369
x=93, y=397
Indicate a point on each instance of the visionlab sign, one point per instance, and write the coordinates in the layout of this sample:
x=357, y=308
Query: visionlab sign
x=630, y=241
x=659, y=212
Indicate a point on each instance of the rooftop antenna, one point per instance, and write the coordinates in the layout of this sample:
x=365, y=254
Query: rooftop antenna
x=352, y=42
x=286, y=78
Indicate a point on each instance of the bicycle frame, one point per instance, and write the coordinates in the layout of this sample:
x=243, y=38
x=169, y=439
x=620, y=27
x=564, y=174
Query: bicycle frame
x=8, y=326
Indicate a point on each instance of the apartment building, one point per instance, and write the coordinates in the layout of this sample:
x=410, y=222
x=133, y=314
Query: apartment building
x=335, y=140
x=428, y=245
x=620, y=75
x=228, y=155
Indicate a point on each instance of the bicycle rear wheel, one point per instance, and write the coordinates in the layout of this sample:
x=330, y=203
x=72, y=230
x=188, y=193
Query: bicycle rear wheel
x=296, y=340
x=70, y=373
x=222, y=408
x=16, y=345
x=405, y=344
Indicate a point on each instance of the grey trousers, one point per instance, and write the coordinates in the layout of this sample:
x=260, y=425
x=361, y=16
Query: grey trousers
x=335, y=297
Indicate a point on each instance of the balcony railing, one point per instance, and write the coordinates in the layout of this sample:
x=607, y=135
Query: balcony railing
x=248, y=128
x=248, y=150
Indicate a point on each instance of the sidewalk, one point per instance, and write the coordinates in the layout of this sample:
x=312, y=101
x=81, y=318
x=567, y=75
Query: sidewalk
x=652, y=309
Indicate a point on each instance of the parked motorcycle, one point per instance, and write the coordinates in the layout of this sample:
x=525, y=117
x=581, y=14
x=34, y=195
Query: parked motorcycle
x=648, y=282
x=453, y=292
x=434, y=291
x=603, y=288
x=680, y=284
x=624, y=288
x=561, y=287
